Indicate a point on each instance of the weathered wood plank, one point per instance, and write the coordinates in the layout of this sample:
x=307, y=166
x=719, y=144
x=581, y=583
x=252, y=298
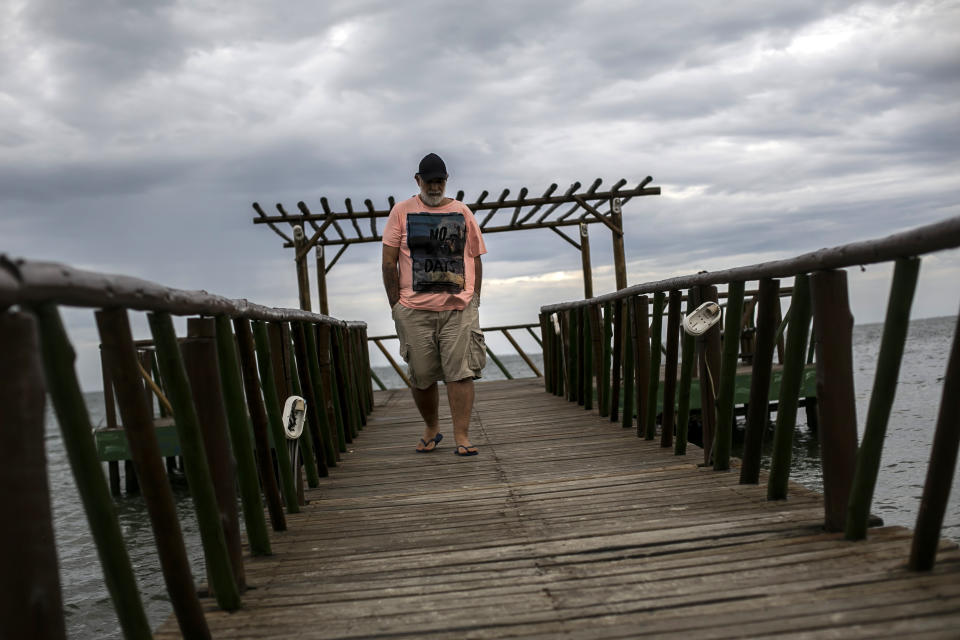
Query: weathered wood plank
x=568, y=525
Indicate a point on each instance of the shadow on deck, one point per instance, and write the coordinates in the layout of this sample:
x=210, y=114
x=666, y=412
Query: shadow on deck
x=568, y=525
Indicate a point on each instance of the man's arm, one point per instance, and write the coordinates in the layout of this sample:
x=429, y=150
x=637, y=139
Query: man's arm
x=477, y=277
x=391, y=277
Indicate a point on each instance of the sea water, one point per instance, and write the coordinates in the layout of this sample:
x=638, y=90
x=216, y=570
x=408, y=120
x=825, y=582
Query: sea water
x=89, y=610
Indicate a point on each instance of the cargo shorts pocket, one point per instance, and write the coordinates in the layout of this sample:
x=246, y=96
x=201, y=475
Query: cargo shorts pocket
x=477, y=357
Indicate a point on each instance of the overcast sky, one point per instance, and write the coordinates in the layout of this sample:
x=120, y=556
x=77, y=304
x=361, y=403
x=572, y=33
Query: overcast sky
x=134, y=136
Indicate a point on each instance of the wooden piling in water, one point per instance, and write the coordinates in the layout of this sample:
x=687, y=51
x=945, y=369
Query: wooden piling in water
x=940, y=471
x=833, y=334
x=895, y=327
x=64, y=389
x=32, y=604
x=119, y=351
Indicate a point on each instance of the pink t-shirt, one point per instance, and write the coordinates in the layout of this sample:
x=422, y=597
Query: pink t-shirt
x=437, y=250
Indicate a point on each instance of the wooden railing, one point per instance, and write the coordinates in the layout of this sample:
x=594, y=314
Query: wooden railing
x=505, y=330
x=223, y=384
x=608, y=339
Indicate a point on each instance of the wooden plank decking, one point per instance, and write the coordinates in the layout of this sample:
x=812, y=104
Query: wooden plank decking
x=567, y=525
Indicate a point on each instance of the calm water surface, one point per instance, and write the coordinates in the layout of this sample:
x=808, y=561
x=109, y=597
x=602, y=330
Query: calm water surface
x=89, y=611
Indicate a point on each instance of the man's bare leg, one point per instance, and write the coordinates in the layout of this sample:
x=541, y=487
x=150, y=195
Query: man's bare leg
x=460, y=396
x=428, y=404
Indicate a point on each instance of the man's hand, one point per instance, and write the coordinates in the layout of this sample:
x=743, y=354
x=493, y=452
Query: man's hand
x=391, y=277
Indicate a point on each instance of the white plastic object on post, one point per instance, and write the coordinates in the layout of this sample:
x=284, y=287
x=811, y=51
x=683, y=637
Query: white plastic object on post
x=294, y=414
x=702, y=318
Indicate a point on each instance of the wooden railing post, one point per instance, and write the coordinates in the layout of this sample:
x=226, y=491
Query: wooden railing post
x=587, y=333
x=881, y=396
x=596, y=349
x=629, y=366
x=265, y=364
x=118, y=349
x=728, y=376
x=240, y=441
x=329, y=380
x=940, y=471
x=320, y=394
x=618, y=323
x=607, y=355
x=708, y=347
x=790, y=385
x=758, y=410
x=259, y=422
x=670, y=369
x=318, y=455
x=656, y=330
x=74, y=420
x=545, y=348
x=833, y=330
x=689, y=348
x=32, y=605
x=200, y=359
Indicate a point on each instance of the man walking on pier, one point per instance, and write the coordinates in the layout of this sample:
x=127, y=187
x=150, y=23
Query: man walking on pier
x=432, y=273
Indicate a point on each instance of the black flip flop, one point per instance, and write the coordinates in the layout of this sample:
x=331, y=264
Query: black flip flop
x=466, y=451
x=436, y=440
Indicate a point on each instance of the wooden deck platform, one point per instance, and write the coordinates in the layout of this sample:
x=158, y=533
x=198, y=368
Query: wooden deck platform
x=567, y=525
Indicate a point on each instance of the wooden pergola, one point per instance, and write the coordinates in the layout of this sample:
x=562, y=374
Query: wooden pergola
x=548, y=211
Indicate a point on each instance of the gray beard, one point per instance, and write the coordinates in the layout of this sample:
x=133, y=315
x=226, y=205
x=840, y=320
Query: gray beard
x=432, y=201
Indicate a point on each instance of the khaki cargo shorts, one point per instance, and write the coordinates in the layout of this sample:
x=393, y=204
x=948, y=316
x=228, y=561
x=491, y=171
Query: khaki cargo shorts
x=440, y=345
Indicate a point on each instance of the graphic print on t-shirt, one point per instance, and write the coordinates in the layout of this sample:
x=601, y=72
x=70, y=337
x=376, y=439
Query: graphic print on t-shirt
x=436, y=242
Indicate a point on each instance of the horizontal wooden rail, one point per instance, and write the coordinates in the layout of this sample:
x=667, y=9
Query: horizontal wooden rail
x=926, y=239
x=849, y=471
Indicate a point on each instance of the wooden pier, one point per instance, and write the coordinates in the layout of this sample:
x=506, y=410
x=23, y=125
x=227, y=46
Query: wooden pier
x=567, y=525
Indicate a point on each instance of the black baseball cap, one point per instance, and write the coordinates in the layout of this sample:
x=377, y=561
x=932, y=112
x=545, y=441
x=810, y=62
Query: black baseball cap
x=432, y=168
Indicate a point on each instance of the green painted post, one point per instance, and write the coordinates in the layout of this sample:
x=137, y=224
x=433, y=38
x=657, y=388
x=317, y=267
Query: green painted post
x=32, y=602
x=377, y=379
x=605, y=365
x=328, y=378
x=535, y=336
x=310, y=442
x=616, y=353
x=313, y=363
x=219, y=568
x=58, y=363
x=640, y=326
x=780, y=458
x=656, y=330
x=573, y=350
x=240, y=430
x=274, y=417
x=628, y=364
x=581, y=359
x=688, y=348
x=343, y=383
x=545, y=350
x=667, y=425
x=587, y=359
x=895, y=327
x=728, y=375
x=758, y=410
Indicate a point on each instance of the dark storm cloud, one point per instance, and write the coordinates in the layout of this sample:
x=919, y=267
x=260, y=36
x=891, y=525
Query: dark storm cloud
x=135, y=135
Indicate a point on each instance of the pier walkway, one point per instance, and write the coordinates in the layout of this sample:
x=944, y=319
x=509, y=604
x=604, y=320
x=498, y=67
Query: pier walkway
x=567, y=525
